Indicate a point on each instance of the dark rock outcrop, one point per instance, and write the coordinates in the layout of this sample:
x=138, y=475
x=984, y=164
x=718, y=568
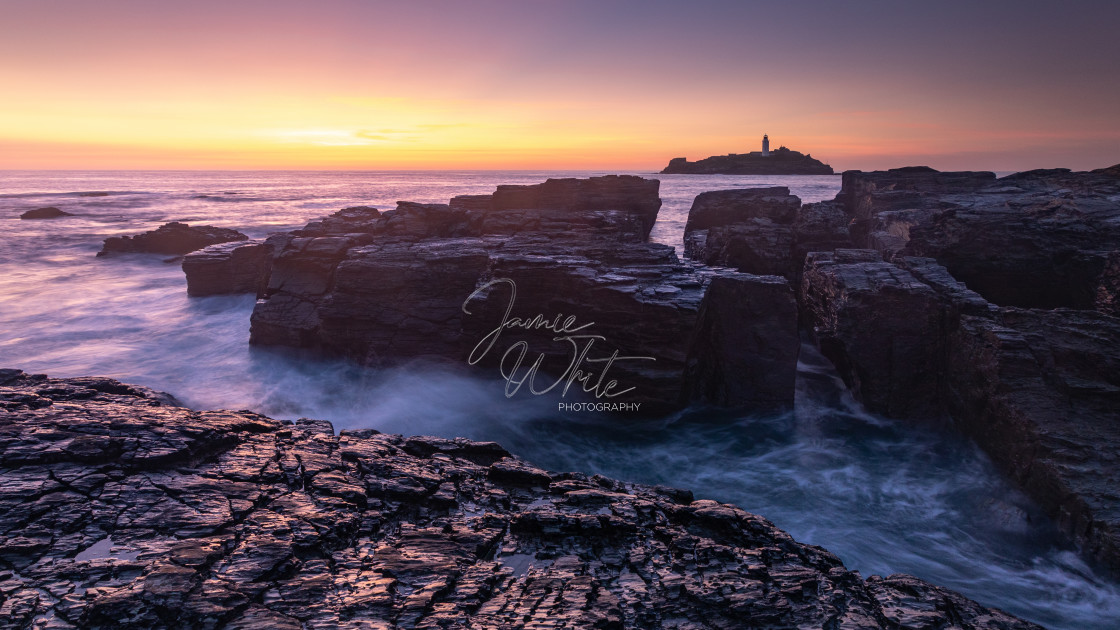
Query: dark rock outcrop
x=234, y=267
x=121, y=511
x=383, y=287
x=174, y=239
x=749, y=229
x=880, y=327
x=1038, y=239
x=762, y=230
x=49, y=212
x=1039, y=390
x=745, y=347
x=780, y=162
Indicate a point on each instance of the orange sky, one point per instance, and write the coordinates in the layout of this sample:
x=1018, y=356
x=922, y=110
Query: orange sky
x=622, y=85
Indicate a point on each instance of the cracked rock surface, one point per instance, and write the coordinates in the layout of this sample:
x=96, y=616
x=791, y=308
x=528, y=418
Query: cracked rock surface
x=120, y=509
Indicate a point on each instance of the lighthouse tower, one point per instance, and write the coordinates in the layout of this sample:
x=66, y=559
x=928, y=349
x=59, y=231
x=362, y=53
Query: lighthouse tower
x=765, y=145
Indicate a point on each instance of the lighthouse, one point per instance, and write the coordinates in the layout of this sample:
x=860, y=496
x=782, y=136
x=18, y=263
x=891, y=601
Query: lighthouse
x=765, y=145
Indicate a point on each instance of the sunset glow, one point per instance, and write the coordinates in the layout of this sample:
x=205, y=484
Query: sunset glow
x=369, y=85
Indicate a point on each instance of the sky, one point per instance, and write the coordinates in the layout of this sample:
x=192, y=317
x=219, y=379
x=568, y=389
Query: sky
x=573, y=84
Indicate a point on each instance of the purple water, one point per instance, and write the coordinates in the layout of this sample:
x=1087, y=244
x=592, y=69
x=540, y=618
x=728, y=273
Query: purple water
x=884, y=496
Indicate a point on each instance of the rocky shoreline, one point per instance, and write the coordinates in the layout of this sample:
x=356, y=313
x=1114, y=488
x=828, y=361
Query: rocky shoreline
x=988, y=302
x=121, y=509
x=939, y=297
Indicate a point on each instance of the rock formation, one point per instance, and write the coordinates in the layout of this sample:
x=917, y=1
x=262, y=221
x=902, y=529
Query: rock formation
x=912, y=281
x=121, y=510
x=385, y=287
x=173, y=239
x=780, y=162
x=49, y=212
x=749, y=229
x=233, y=267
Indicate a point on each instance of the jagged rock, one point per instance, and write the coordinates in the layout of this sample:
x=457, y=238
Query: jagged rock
x=1108, y=287
x=119, y=511
x=762, y=230
x=748, y=229
x=747, y=343
x=718, y=208
x=234, y=267
x=866, y=195
x=1038, y=239
x=1040, y=391
x=880, y=326
x=49, y=212
x=818, y=227
x=782, y=161
x=623, y=204
x=388, y=287
x=173, y=239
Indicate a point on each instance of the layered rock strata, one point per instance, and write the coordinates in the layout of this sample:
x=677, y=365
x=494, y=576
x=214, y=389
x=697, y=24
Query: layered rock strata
x=121, y=510
x=436, y=282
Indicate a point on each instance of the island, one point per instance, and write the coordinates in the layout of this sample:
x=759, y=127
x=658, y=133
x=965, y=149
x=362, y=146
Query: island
x=783, y=161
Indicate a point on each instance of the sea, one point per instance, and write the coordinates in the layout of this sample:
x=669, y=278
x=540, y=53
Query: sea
x=885, y=496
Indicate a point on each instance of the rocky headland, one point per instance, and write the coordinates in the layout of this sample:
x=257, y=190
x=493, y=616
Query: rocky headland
x=121, y=509
x=782, y=161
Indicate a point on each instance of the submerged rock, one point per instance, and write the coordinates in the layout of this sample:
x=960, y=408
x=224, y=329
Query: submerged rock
x=173, y=239
x=49, y=212
x=119, y=510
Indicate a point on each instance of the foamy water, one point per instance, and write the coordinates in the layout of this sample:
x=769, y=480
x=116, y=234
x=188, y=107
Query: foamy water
x=884, y=496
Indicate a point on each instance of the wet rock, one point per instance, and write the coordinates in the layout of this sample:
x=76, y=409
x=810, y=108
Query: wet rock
x=49, y=212
x=745, y=349
x=293, y=551
x=382, y=288
x=173, y=239
x=762, y=230
x=880, y=326
x=235, y=267
x=1037, y=239
x=1039, y=391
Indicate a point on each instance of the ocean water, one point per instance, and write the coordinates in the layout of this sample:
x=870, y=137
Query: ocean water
x=886, y=497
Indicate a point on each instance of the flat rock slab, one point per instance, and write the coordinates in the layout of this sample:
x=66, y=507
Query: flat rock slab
x=121, y=510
